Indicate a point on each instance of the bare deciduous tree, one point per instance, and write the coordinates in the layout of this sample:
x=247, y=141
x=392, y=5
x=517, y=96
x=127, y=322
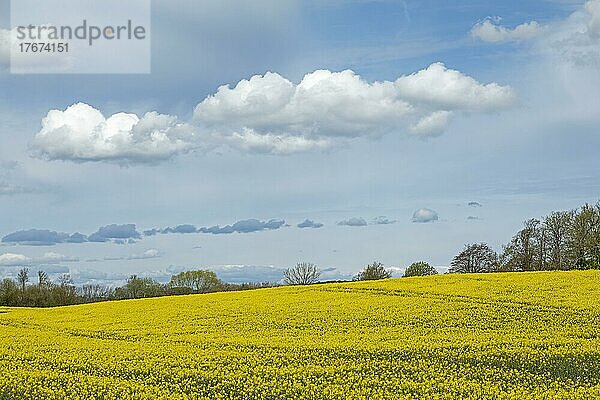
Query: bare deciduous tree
x=95, y=292
x=23, y=278
x=302, y=274
x=43, y=279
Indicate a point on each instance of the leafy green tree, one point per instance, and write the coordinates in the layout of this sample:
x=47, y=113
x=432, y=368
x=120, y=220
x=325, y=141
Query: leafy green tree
x=137, y=287
x=9, y=292
x=65, y=292
x=420, y=268
x=197, y=281
x=558, y=224
x=373, y=272
x=527, y=250
x=582, y=238
x=478, y=257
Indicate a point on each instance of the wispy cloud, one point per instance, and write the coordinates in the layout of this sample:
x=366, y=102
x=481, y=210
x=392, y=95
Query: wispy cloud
x=148, y=254
x=51, y=258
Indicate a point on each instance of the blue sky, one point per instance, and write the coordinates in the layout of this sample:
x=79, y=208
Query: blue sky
x=510, y=121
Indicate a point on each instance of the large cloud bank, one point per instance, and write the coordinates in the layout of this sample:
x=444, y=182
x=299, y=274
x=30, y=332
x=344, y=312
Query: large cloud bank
x=326, y=106
x=270, y=114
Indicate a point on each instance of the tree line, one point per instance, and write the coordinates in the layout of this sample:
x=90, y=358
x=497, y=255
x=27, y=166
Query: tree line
x=27, y=291
x=41, y=292
x=562, y=240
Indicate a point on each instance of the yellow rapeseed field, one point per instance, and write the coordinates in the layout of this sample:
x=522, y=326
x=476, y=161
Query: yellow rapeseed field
x=488, y=336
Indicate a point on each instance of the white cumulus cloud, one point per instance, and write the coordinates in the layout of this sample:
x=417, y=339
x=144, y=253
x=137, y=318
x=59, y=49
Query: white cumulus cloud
x=438, y=88
x=574, y=40
x=82, y=133
x=271, y=115
x=593, y=26
x=492, y=32
x=577, y=39
x=268, y=113
x=432, y=124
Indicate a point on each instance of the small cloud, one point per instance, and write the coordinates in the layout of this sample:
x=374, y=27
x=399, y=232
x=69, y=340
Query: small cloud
x=151, y=253
x=383, y=220
x=474, y=204
x=36, y=237
x=353, y=222
x=114, y=231
x=309, y=224
x=489, y=30
x=424, y=215
x=148, y=254
x=53, y=258
x=245, y=226
x=77, y=238
x=14, y=260
x=186, y=228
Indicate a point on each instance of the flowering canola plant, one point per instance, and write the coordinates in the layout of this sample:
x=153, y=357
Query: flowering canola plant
x=479, y=336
